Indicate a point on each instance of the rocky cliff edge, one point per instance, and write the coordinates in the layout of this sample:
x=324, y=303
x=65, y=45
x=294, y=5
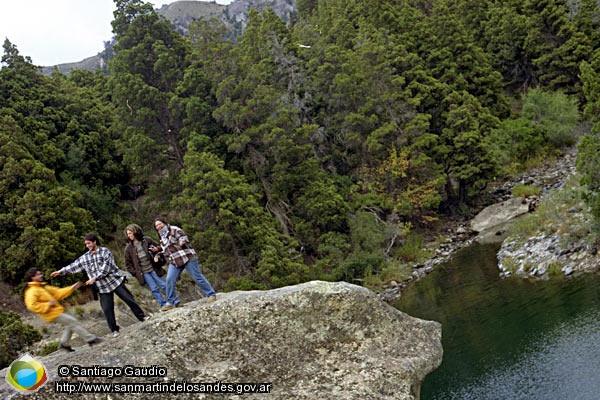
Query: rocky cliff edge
x=315, y=340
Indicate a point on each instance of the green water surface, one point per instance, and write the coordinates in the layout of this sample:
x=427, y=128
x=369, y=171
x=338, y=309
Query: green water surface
x=497, y=334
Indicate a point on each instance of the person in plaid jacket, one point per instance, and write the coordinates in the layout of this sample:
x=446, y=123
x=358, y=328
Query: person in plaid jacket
x=180, y=255
x=99, y=265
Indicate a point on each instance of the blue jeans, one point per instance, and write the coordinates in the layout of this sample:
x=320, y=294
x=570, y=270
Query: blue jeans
x=193, y=269
x=156, y=284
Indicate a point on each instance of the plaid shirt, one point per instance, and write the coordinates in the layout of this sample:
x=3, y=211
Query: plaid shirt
x=176, y=247
x=100, y=265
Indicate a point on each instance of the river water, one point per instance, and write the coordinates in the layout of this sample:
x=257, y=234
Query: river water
x=509, y=339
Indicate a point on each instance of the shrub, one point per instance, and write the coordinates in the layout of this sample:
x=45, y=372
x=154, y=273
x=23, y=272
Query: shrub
x=555, y=269
x=391, y=271
x=554, y=113
x=14, y=336
x=242, y=283
x=49, y=348
x=412, y=248
x=548, y=123
x=519, y=138
x=526, y=191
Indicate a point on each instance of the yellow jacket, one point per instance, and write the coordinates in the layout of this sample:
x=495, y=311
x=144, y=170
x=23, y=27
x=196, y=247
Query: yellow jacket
x=38, y=296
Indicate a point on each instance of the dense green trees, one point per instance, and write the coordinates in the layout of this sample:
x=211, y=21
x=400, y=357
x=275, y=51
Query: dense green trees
x=318, y=148
x=240, y=241
x=556, y=44
x=50, y=168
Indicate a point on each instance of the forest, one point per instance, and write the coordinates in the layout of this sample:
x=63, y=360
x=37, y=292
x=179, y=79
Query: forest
x=324, y=147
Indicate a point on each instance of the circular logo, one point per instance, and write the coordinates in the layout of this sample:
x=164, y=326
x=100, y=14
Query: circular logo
x=26, y=374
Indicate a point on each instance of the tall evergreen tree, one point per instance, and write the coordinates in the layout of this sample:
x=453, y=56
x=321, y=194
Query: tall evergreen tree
x=459, y=62
x=465, y=150
x=92, y=164
x=210, y=63
x=28, y=96
x=150, y=60
x=556, y=45
x=504, y=38
x=258, y=105
x=239, y=241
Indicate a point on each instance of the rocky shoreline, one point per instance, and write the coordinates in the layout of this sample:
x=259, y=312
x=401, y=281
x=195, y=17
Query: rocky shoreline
x=565, y=246
x=549, y=178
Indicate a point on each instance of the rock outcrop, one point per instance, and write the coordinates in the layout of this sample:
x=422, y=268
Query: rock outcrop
x=499, y=214
x=561, y=246
x=315, y=340
x=562, y=243
x=235, y=16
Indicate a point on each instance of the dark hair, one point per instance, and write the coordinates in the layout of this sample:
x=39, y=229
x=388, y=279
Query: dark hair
x=30, y=273
x=92, y=237
x=136, y=230
x=161, y=220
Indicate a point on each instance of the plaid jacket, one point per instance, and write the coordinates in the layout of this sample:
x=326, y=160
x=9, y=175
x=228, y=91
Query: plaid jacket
x=100, y=265
x=176, y=247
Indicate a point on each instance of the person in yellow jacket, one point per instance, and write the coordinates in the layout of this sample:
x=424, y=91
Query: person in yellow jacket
x=43, y=299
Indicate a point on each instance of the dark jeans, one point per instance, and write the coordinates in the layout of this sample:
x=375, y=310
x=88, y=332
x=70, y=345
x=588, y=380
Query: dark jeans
x=107, y=302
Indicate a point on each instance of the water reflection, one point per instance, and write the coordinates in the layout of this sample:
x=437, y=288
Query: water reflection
x=505, y=339
x=562, y=364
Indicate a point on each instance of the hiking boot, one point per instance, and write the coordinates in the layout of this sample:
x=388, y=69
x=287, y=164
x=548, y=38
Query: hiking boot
x=212, y=299
x=167, y=307
x=94, y=341
x=115, y=334
x=65, y=347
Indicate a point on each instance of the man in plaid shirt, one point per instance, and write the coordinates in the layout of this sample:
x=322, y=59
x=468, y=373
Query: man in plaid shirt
x=99, y=265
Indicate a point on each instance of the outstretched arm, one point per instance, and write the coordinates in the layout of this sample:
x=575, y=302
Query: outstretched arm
x=73, y=268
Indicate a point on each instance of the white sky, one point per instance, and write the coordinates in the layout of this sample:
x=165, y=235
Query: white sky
x=54, y=32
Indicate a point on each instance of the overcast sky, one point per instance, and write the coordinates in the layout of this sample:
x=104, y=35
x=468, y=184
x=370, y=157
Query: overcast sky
x=54, y=32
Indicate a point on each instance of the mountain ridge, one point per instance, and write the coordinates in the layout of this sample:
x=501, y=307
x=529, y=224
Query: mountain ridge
x=182, y=13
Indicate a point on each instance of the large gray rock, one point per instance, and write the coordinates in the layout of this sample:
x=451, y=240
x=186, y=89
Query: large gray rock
x=316, y=340
x=497, y=214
